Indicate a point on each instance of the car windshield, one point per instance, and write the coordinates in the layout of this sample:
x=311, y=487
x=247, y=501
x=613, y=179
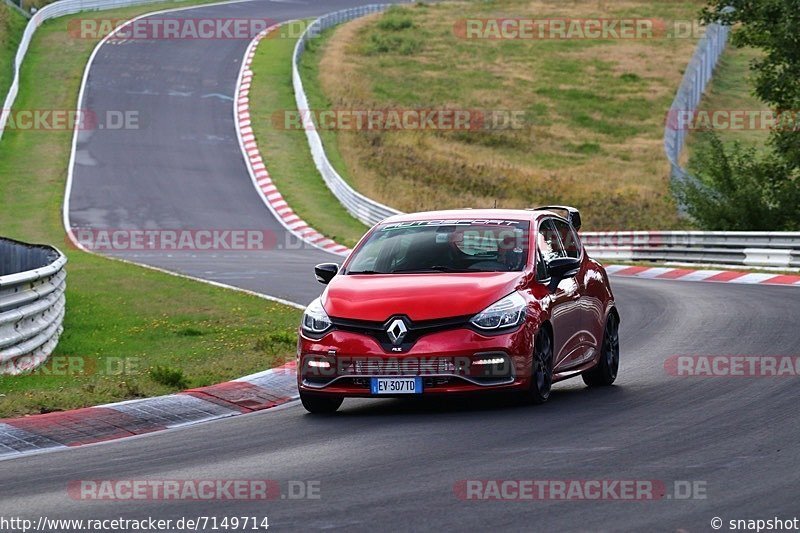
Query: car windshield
x=443, y=246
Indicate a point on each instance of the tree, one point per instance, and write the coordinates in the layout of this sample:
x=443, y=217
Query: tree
x=738, y=188
x=771, y=26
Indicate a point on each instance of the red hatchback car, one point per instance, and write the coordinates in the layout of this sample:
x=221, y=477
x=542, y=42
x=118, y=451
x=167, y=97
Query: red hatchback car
x=461, y=301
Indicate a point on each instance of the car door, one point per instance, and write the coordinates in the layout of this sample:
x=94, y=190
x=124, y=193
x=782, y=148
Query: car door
x=565, y=315
x=585, y=308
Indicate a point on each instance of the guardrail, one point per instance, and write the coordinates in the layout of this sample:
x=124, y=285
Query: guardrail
x=362, y=208
x=742, y=248
x=32, y=304
x=698, y=73
x=51, y=11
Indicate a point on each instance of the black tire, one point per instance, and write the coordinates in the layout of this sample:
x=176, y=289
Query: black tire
x=605, y=372
x=541, y=368
x=320, y=405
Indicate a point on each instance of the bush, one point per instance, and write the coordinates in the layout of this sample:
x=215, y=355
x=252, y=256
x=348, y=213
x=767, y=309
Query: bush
x=740, y=189
x=277, y=342
x=391, y=34
x=169, y=377
x=190, y=332
x=395, y=19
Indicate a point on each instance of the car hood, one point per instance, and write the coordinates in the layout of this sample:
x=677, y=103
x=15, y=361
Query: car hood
x=376, y=297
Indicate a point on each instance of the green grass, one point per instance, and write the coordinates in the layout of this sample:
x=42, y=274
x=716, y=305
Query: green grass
x=286, y=151
x=593, y=110
x=731, y=89
x=12, y=24
x=117, y=312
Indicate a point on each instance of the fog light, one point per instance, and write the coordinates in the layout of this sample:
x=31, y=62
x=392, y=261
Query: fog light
x=319, y=364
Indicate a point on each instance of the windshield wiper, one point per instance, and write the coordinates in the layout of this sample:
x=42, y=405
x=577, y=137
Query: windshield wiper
x=434, y=268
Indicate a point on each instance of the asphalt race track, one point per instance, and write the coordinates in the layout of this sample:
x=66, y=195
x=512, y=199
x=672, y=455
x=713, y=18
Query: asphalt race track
x=182, y=168
x=390, y=464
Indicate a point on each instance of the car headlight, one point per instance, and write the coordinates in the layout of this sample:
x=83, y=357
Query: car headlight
x=315, y=319
x=505, y=313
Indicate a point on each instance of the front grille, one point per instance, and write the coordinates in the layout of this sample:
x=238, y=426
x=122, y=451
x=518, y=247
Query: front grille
x=378, y=330
x=378, y=366
x=360, y=382
x=437, y=382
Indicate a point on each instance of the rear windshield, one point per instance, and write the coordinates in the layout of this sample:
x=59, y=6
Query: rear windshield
x=443, y=246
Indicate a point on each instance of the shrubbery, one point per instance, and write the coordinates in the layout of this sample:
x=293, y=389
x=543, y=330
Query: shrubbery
x=740, y=188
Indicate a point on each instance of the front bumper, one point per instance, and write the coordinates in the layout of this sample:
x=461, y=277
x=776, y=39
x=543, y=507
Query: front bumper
x=342, y=363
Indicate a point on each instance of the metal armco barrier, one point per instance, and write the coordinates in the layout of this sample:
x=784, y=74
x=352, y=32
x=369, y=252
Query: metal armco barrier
x=32, y=304
x=51, y=11
x=745, y=248
x=362, y=208
x=698, y=73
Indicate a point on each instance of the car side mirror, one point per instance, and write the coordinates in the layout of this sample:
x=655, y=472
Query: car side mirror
x=324, y=272
x=564, y=267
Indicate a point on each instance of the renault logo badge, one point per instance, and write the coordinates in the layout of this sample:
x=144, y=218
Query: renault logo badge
x=397, y=331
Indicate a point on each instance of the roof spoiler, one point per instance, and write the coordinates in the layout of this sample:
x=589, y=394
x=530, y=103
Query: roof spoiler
x=573, y=215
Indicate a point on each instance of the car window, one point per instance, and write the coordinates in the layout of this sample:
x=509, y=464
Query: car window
x=383, y=254
x=444, y=246
x=549, y=242
x=569, y=239
x=541, y=268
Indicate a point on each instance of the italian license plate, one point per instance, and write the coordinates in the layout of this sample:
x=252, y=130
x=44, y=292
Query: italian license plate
x=396, y=385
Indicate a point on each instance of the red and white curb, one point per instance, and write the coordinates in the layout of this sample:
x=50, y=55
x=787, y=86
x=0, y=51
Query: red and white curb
x=713, y=276
x=89, y=425
x=255, y=162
